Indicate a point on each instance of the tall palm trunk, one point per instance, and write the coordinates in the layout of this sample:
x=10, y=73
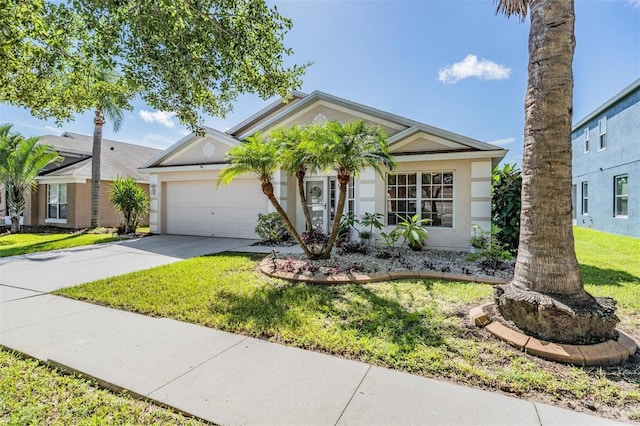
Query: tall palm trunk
x=15, y=205
x=344, y=178
x=267, y=189
x=98, y=121
x=300, y=174
x=546, y=297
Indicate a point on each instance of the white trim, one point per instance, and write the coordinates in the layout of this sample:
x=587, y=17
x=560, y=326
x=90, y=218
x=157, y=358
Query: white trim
x=449, y=156
x=190, y=168
x=49, y=180
x=55, y=221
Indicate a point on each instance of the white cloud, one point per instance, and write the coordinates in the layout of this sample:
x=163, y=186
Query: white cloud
x=472, y=67
x=634, y=3
x=160, y=117
x=501, y=142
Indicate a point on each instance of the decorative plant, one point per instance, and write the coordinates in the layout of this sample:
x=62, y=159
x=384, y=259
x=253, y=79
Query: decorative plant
x=346, y=223
x=388, y=248
x=315, y=239
x=372, y=220
x=412, y=231
x=505, y=204
x=130, y=199
x=492, y=253
x=272, y=229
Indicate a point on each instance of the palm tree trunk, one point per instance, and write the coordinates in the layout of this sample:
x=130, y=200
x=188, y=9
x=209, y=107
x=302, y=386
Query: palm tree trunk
x=300, y=174
x=546, y=269
x=14, y=207
x=343, y=181
x=98, y=122
x=267, y=189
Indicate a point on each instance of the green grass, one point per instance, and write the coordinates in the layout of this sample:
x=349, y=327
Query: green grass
x=14, y=244
x=415, y=326
x=610, y=266
x=32, y=394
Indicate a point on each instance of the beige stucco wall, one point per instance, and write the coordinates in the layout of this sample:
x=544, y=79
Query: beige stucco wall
x=330, y=112
x=195, y=152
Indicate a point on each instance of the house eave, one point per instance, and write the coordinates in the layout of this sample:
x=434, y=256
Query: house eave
x=185, y=168
x=459, y=155
x=608, y=104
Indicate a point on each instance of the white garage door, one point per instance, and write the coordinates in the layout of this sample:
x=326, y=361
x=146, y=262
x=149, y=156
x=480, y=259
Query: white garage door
x=199, y=208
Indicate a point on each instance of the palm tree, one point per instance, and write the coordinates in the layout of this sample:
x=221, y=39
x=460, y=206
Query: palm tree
x=105, y=109
x=546, y=297
x=20, y=162
x=297, y=160
x=350, y=148
x=260, y=157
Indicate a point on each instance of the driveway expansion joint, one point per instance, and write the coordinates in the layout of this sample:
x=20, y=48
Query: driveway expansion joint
x=364, y=376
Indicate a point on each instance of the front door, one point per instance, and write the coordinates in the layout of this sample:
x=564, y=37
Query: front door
x=317, y=202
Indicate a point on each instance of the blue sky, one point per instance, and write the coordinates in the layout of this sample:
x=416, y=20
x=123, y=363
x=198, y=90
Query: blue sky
x=452, y=64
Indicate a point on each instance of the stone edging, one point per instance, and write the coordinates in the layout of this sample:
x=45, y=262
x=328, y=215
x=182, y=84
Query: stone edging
x=611, y=352
x=267, y=268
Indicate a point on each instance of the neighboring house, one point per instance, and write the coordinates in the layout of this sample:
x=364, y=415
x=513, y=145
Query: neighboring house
x=63, y=196
x=440, y=175
x=606, y=165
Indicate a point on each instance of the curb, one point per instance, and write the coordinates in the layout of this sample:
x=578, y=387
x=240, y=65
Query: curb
x=611, y=352
x=268, y=269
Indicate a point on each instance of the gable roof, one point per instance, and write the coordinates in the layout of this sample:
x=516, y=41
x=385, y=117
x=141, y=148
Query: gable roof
x=322, y=96
x=279, y=111
x=613, y=100
x=117, y=158
x=176, y=147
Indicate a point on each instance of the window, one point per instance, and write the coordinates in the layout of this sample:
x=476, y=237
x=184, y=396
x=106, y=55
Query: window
x=585, y=197
x=602, y=130
x=350, y=202
x=57, y=201
x=428, y=194
x=620, y=204
x=586, y=140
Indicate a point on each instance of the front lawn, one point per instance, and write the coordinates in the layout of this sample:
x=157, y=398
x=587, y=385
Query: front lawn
x=32, y=394
x=14, y=244
x=416, y=326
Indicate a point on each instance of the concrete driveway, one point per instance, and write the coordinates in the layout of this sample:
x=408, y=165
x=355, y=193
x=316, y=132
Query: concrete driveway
x=33, y=274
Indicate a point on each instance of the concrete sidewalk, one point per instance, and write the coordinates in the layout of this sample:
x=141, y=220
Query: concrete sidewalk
x=222, y=377
x=232, y=379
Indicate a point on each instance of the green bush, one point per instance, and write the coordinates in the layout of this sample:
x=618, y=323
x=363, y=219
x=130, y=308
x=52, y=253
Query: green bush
x=491, y=253
x=505, y=204
x=271, y=229
x=129, y=199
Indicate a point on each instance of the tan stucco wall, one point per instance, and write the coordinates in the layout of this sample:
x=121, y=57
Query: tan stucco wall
x=78, y=207
x=194, y=152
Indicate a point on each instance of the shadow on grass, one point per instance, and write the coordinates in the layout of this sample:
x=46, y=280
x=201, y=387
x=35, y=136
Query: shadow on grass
x=44, y=246
x=600, y=276
x=352, y=315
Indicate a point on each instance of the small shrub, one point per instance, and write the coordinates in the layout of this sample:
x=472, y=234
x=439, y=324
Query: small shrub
x=288, y=265
x=492, y=254
x=315, y=236
x=505, y=204
x=359, y=246
x=129, y=199
x=271, y=229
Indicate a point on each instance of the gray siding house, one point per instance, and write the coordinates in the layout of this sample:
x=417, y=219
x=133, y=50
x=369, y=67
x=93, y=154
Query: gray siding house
x=606, y=165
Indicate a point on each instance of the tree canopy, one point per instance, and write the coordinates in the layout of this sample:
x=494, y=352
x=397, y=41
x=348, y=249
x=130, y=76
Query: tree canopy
x=189, y=57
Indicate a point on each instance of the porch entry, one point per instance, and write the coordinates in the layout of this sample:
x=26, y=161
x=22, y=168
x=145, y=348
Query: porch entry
x=322, y=199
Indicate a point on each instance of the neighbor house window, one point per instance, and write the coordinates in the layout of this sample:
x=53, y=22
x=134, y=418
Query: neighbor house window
x=586, y=140
x=57, y=201
x=585, y=198
x=602, y=130
x=428, y=194
x=621, y=202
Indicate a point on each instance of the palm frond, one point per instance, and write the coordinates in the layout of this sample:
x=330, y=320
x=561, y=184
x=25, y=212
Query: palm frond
x=513, y=7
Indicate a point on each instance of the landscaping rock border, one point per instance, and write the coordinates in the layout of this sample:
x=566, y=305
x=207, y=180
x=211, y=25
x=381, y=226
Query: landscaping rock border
x=610, y=352
x=267, y=268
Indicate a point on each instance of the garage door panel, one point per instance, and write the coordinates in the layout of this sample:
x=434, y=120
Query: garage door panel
x=199, y=208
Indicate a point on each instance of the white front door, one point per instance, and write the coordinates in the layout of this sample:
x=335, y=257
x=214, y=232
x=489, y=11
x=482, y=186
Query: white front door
x=316, y=193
